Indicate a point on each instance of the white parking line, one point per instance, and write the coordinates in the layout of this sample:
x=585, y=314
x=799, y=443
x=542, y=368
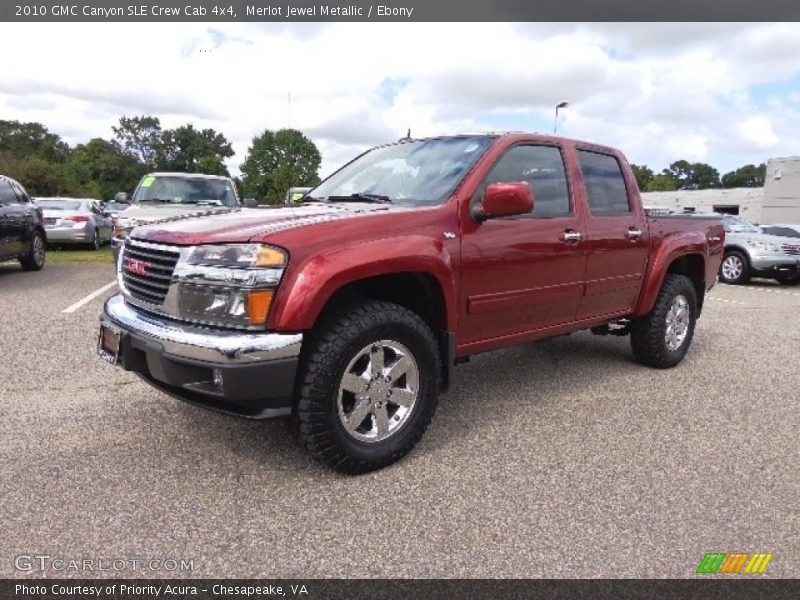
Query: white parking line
x=772, y=291
x=726, y=300
x=73, y=307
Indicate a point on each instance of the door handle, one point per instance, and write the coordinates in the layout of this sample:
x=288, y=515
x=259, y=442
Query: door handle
x=571, y=237
x=634, y=234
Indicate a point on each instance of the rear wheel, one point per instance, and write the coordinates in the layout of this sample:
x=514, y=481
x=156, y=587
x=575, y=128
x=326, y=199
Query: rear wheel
x=369, y=384
x=662, y=338
x=734, y=269
x=34, y=259
x=94, y=244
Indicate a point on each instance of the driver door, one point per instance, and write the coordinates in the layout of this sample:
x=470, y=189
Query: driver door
x=525, y=273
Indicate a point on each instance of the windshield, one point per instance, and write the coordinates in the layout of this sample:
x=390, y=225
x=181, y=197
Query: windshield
x=418, y=173
x=185, y=190
x=736, y=225
x=59, y=204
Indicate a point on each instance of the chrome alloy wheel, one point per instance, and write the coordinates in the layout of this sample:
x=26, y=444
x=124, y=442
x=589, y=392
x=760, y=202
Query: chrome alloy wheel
x=677, y=322
x=732, y=267
x=38, y=250
x=378, y=391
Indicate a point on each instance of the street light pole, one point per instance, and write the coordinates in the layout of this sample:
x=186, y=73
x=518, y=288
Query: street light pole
x=555, y=121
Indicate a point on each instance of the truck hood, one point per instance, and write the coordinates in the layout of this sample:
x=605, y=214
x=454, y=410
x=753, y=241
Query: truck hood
x=247, y=224
x=154, y=213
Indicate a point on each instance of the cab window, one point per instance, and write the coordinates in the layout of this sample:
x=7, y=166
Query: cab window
x=543, y=168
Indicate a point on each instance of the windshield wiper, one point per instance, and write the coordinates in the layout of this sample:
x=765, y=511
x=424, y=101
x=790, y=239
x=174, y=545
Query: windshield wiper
x=361, y=197
x=164, y=200
x=305, y=199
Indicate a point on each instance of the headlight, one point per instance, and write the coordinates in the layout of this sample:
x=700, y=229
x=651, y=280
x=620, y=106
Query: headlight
x=123, y=226
x=764, y=246
x=230, y=285
x=238, y=255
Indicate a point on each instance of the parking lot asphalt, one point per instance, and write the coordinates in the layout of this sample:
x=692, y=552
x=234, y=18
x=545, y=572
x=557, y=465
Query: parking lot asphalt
x=557, y=459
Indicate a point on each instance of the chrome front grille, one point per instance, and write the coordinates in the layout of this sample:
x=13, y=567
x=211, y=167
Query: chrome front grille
x=147, y=270
x=791, y=249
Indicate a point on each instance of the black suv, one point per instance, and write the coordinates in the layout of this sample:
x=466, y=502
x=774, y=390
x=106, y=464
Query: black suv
x=22, y=233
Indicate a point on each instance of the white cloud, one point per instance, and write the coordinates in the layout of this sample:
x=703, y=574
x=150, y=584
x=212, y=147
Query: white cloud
x=660, y=92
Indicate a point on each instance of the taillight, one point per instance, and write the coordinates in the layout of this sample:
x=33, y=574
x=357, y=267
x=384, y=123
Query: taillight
x=77, y=219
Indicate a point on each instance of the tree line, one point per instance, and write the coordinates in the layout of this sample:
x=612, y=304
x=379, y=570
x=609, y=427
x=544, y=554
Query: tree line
x=682, y=174
x=47, y=166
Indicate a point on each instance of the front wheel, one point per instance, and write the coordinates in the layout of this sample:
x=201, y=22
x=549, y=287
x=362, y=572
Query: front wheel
x=735, y=269
x=662, y=338
x=369, y=383
x=34, y=259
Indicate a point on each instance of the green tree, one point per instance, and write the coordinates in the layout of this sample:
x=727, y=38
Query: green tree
x=41, y=177
x=191, y=150
x=692, y=175
x=103, y=168
x=746, y=176
x=704, y=176
x=643, y=174
x=661, y=183
x=139, y=137
x=23, y=140
x=680, y=172
x=277, y=161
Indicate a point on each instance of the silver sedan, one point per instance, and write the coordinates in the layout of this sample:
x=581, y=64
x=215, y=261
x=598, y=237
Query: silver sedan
x=76, y=221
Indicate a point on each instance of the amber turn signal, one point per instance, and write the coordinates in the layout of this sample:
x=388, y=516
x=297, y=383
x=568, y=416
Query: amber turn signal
x=258, y=303
x=270, y=257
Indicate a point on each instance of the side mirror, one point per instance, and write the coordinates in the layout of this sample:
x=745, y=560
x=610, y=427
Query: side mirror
x=250, y=203
x=122, y=197
x=506, y=199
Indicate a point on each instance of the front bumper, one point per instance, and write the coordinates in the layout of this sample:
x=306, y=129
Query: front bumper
x=775, y=265
x=247, y=374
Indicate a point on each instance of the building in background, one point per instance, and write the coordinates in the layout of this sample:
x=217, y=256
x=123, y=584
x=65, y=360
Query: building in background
x=777, y=202
x=782, y=191
x=745, y=202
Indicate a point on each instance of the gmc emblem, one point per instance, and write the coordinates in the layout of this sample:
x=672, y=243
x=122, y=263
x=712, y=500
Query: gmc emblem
x=137, y=267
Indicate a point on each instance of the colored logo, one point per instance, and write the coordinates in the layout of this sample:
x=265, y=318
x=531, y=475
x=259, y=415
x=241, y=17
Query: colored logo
x=138, y=267
x=734, y=563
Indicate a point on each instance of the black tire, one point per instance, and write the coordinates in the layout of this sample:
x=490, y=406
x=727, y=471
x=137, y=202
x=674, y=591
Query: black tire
x=95, y=243
x=34, y=259
x=649, y=333
x=790, y=281
x=340, y=339
x=744, y=274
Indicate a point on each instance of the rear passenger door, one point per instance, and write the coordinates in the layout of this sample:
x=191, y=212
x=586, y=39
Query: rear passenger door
x=616, y=237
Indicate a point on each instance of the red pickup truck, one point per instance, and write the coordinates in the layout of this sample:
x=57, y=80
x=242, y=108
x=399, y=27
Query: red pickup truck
x=348, y=311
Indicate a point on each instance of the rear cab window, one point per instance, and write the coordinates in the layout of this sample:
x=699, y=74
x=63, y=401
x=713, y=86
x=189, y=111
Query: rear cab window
x=605, y=184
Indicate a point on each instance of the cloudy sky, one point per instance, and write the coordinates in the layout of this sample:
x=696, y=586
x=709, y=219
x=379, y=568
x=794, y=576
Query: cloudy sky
x=726, y=94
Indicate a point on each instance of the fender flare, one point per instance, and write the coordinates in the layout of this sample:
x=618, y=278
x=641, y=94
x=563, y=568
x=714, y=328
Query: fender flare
x=672, y=247
x=307, y=288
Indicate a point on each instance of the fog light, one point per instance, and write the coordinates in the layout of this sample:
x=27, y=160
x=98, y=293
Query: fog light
x=218, y=378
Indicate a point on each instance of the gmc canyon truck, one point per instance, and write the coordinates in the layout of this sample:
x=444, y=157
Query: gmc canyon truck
x=348, y=311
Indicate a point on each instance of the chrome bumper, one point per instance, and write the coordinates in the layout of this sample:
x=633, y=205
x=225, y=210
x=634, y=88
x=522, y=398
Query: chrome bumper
x=183, y=341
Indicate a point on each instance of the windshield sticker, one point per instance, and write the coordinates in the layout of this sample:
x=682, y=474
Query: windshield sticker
x=148, y=181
